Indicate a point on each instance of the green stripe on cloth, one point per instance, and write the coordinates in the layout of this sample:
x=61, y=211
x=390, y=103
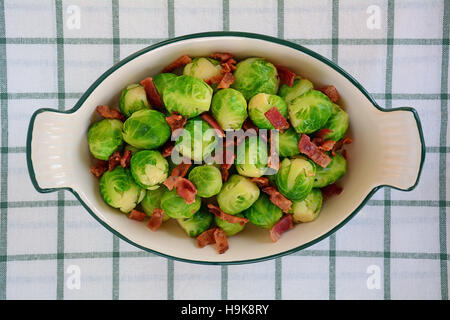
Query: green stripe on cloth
x=225, y=15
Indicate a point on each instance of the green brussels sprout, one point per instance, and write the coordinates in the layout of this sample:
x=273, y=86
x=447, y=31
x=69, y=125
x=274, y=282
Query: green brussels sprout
x=237, y=194
x=146, y=129
x=152, y=201
x=202, y=68
x=197, y=140
x=338, y=123
x=252, y=157
x=230, y=228
x=229, y=108
x=132, y=99
x=187, y=96
x=161, y=80
x=299, y=87
x=197, y=223
x=295, y=178
x=176, y=207
x=310, y=111
x=132, y=149
x=207, y=179
x=105, y=137
x=288, y=143
x=335, y=170
x=149, y=168
x=119, y=190
x=308, y=209
x=255, y=75
x=260, y=104
x=263, y=213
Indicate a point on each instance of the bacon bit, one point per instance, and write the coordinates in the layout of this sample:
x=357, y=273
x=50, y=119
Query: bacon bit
x=228, y=66
x=125, y=159
x=331, y=93
x=114, y=160
x=322, y=133
x=152, y=94
x=261, y=182
x=226, y=81
x=222, y=56
x=248, y=124
x=345, y=154
x=220, y=238
x=213, y=123
x=225, y=216
x=167, y=149
x=156, y=219
x=181, y=170
x=170, y=182
x=109, y=113
x=226, y=161
x=206, y=238
x=181, y=61
x=313, y=152
x=276, y=119
x=340, y=144
x=137, y=215
x=331, y=190
x=274, y=159
x=176, y=121
x=214, y=79
x=286, y=75
x=278, y=199
x=327, y=145
x=186, y=190
x=283, y=225
x=224, y=172
x=99, y=168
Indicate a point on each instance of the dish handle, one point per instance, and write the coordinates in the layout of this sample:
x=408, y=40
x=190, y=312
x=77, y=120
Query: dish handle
x=401, y=148
x=50, y=149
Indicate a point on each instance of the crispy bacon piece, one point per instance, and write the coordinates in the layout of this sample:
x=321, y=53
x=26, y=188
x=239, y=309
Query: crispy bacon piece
x=99, y=168
x=181, y=61
x=186, y=190
x=340, y=144
x=248, y=124
x=109, y=113
x=176, y=121
x=327, y=145
x=137, y=215
x=206, y=238
x=331, y=93
x=156, y=219
x=224, y=172
x=170, y=182
x=167, y=149
x=214, y=79
x=228, y=66
x=261, y=182
x=226, y=81
x=278, y=199
x=225, y=216
x=114, y=160
x=213, y=123
x=220, y=238
x=152, y=94
x=321, y=134
x=125, y=159
x=331, y=190
x=226, y=161
x=181, y=169
x=286, y=75
x=222, y=56
x=283, y=225
x=276, y=119
x=313, y=152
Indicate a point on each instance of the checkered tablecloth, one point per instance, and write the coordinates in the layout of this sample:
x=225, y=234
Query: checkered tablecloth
x=395, y=248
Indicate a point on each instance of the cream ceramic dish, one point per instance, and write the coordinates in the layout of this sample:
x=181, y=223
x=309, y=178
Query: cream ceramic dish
x=388, y=148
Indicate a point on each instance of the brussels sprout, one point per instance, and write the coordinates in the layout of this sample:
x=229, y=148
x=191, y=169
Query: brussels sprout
x=260, y=104
x=152, y=201
x=288, y=143
x=229, y=108
x=196, y=224
x=132, y=99
x=149, y=168
x=197, y=139
x=252, y=157
x=295, y=178
x=230, y=228
x=146, y=129
x=237, y=194
x=263, y=213
x=104, y=137
x=161, y=80
x=299, y=87
x=207, y=179
x=176, y=207
x=338, y=123
x=202, y=68
x=187, y=96
x=335, y=170
x=119, y=190
x=255, y=75
x=308, y=209
x=310, y=111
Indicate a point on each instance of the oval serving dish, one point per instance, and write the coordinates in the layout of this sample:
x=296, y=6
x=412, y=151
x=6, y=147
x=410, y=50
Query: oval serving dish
x=388, y=148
